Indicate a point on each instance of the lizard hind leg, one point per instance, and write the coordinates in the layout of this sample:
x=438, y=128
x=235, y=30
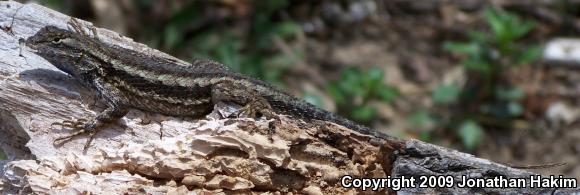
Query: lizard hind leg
x=238, y=93
x=258, y=105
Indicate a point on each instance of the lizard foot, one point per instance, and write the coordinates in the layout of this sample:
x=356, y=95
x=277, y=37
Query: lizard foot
x=80, y=126
x=263, y=108
x=254, y=107
x=247, y=112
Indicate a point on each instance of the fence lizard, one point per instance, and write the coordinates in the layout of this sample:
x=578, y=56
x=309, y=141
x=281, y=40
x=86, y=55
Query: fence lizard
x=127, y=79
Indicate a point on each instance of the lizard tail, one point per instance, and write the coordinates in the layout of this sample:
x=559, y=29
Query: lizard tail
x=305, y=110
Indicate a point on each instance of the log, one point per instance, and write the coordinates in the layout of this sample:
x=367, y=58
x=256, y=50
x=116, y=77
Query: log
x=156, y=154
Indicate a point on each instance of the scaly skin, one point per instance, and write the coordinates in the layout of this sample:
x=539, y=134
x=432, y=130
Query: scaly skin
x=127, y=79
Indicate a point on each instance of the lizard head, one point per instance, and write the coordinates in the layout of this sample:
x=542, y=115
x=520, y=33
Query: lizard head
x=62, y=48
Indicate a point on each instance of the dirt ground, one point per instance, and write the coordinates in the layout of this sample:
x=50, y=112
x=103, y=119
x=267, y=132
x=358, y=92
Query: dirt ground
x=409, y=48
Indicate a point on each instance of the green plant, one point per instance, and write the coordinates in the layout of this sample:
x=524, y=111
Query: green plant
x=313, y=99
x=487, y=99
x=243, y=40
x=57, y=5
x=249, y=50
x=2, y=155
x=423, y=121
x=491, y=53
x=356, y=89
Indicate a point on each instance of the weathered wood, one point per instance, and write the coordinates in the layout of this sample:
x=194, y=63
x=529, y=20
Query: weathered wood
x=174, y=155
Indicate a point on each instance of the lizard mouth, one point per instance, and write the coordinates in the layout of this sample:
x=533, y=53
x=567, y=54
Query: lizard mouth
x=34, y=43
x=25, y=45
x=30, y=45
x=33, y=50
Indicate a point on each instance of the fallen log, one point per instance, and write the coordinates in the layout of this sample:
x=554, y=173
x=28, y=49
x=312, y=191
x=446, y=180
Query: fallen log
x=156, y=154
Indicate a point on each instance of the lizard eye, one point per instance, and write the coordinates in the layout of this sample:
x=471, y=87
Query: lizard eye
x=56, y=40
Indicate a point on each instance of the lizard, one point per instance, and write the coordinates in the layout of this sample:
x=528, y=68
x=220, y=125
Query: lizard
x=126, y=79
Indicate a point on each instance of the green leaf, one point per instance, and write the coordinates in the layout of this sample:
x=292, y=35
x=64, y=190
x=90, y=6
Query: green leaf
x=271, y=5
x=313, y=99
x=372, y=82
x=425, y=136
x=502, y=110
x=351, y=73
x=2, y=155
x=422, y=119
x=445, y=94
x=351, y=82
x=281, y=61
x=388, y=93
x=252, y=64
x=350, y=87
x=529, y=55
x=464, y=48
x=376, y=75
x=336, y=94
x=273, y=75
x=478, y=37
x=471, y=134
x=511, y=93
x=364, y=113
x=522, y=29
x=515, y=109
x=205, y=42
x=189, y=14
x=58, y=5
x=286, y=29
x=477, y=65
x=507, y=27
x=227, y=53
x=496, y=21
x=172, y=37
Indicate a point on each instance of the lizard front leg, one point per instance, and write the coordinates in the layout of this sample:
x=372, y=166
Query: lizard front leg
x=91, y=126
x=253, y=103
x=115, y=110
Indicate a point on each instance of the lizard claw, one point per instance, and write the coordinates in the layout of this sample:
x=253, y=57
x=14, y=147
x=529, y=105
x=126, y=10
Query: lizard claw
x=73, y=124
x=81, y=126
x=268, y=113
x=247, y=111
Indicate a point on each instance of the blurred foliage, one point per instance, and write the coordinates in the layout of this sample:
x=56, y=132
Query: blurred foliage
x=356, y=89
x=487, y=99
x=2, y=155
x=193, y=30
x=313, y=99
x=470, y=133
x=423, y=122
x=57, y=5
x=250, y=52
x=445, y=94
x=249, y=43
x=491, y=53
x=253, y=49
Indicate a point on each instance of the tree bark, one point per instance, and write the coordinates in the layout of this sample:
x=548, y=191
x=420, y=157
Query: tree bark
x=155, y=154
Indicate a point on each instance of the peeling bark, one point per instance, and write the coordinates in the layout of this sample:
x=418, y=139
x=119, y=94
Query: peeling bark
x=155, y=154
